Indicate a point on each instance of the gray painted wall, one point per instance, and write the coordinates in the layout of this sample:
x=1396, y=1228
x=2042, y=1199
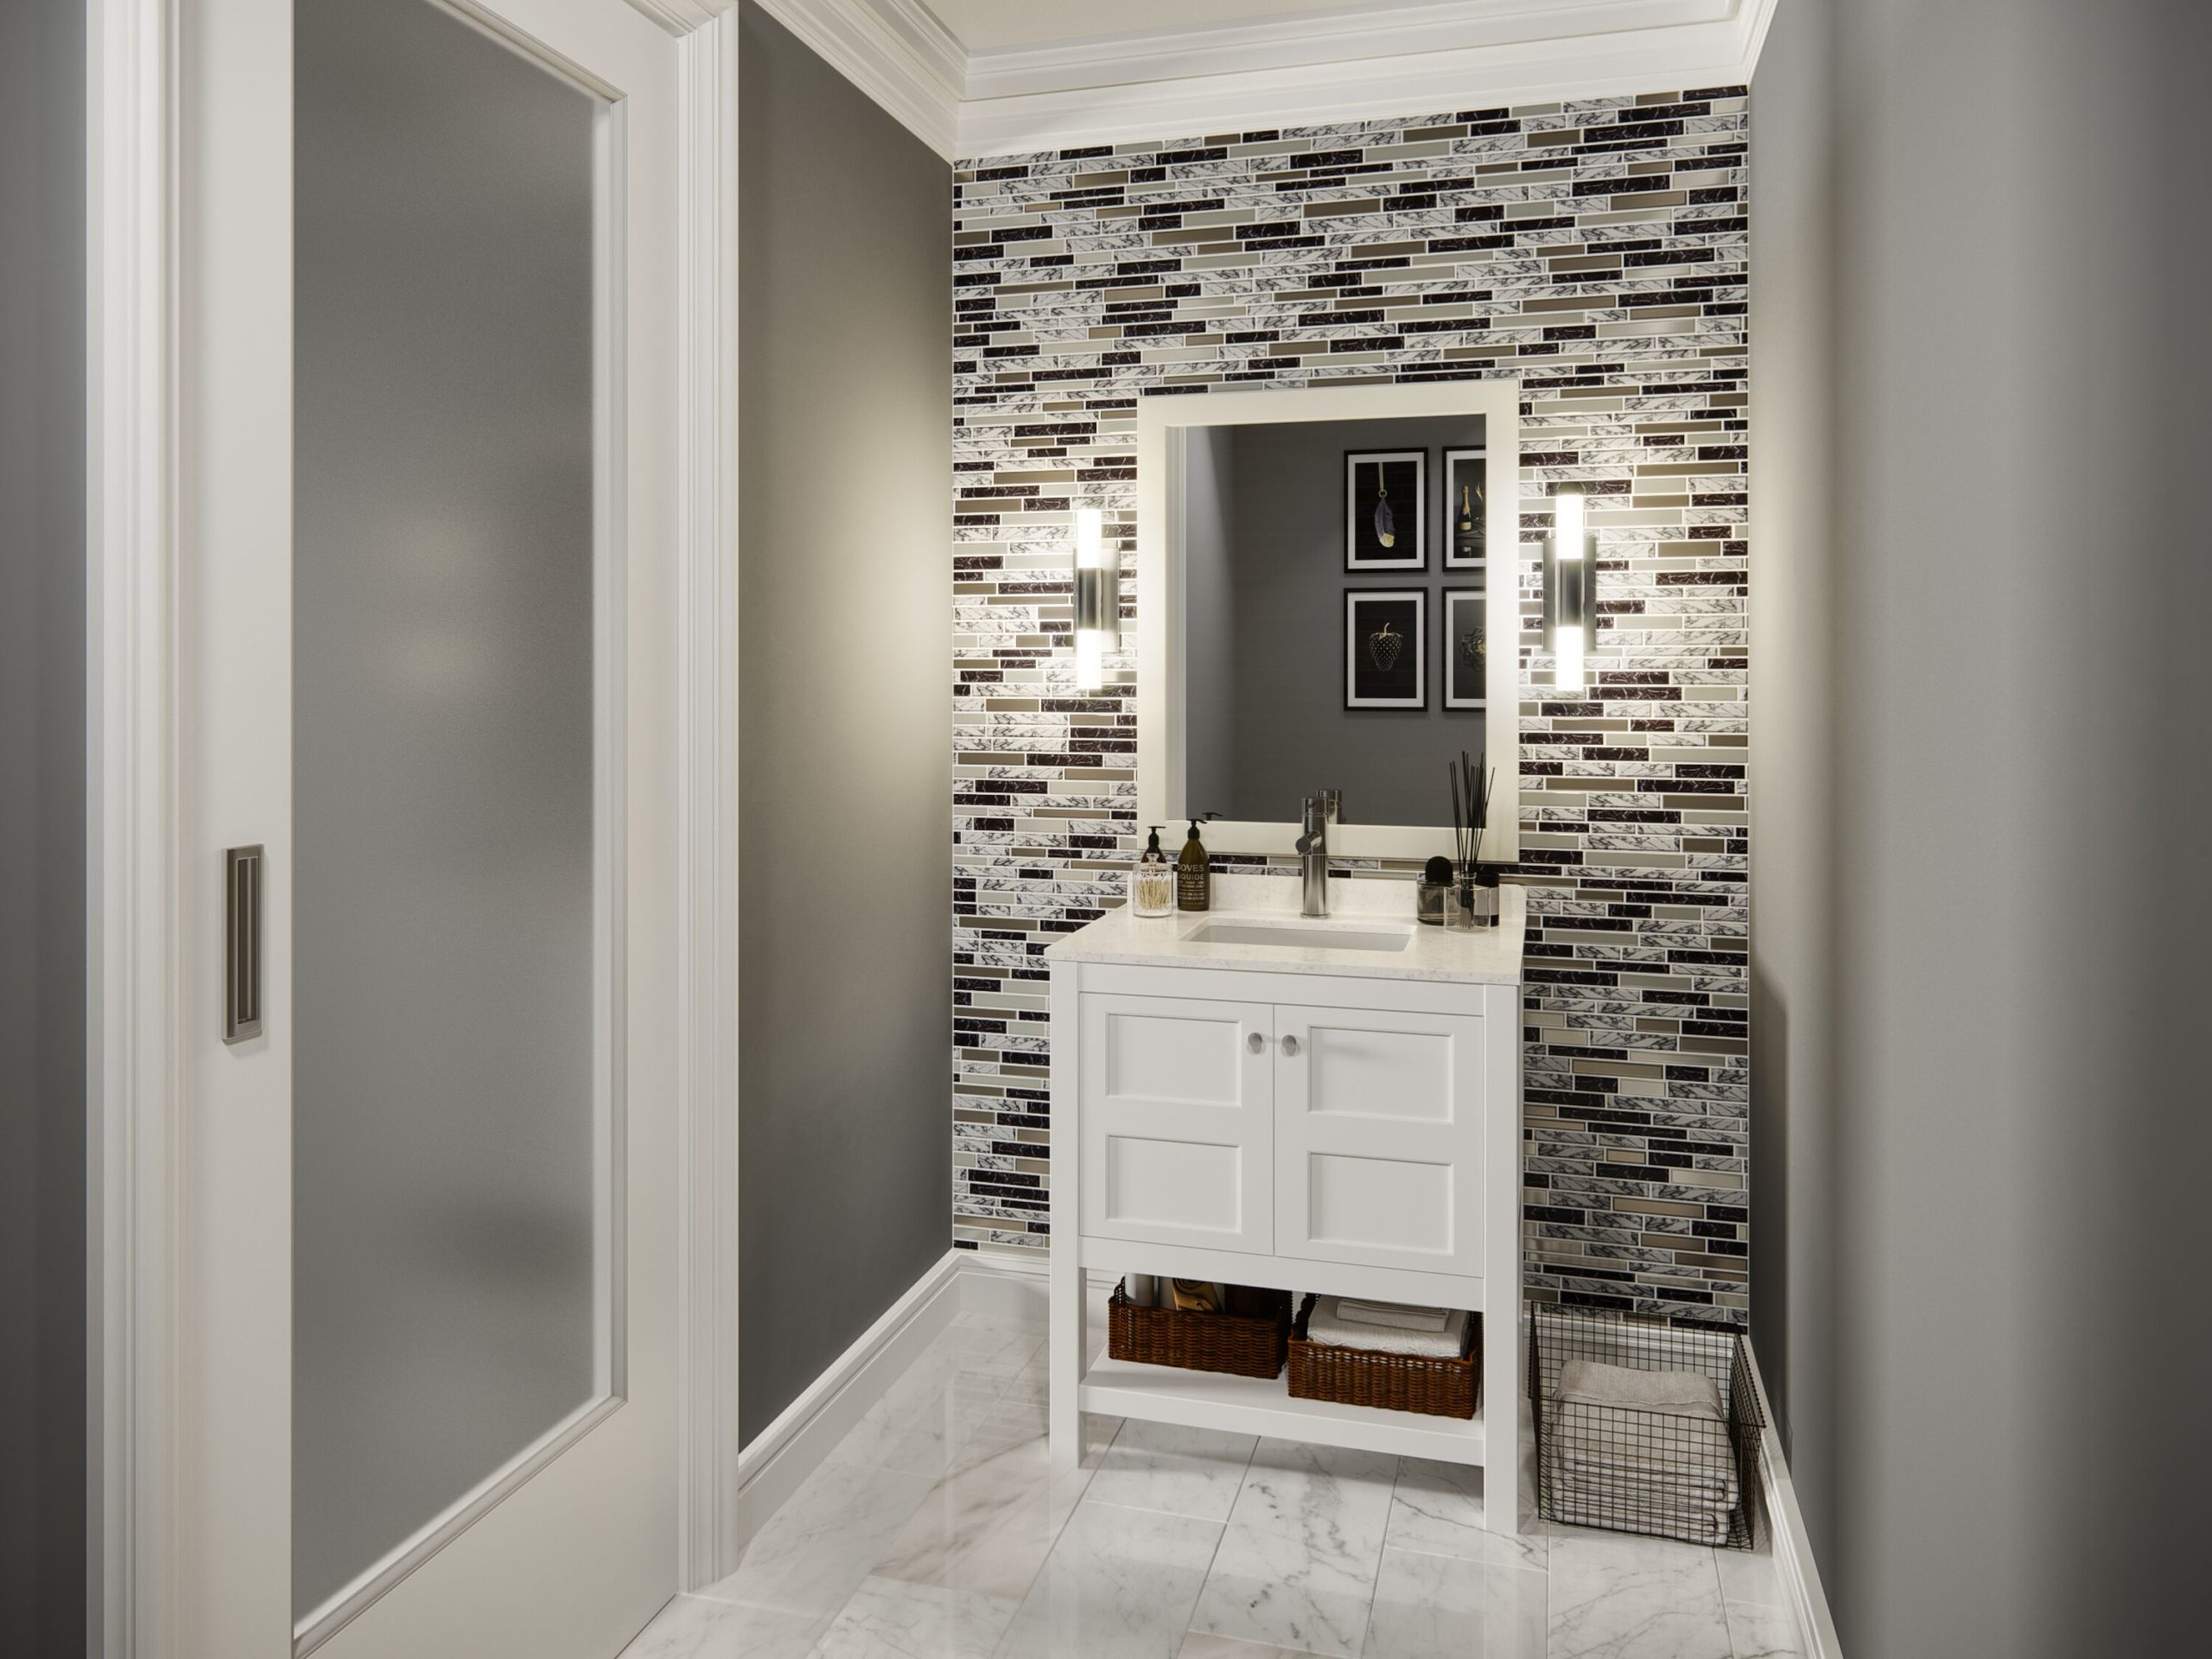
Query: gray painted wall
x=1792, y=747
x=2018, y=905
x=42, y=1458
x=845, y=739
x=1290, y=733
x=1209, y=508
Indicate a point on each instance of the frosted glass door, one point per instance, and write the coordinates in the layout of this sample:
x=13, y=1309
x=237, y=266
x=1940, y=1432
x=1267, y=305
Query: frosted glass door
x=456, y=1102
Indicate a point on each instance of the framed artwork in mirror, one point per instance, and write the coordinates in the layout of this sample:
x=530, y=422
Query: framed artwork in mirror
x=1386, y=648
x=1463, y=644
x=1386, y=509
x=1466, y=478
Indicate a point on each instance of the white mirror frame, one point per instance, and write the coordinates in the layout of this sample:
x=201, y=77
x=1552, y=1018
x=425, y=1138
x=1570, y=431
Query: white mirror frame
x=1160, y=699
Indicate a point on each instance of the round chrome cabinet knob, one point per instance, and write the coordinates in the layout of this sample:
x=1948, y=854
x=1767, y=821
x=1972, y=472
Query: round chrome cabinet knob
x=1256, y=1043
x=1290, y=1046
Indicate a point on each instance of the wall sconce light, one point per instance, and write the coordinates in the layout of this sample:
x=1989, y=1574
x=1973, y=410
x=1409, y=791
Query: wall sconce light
x=1097, y=598
x=1567, y=573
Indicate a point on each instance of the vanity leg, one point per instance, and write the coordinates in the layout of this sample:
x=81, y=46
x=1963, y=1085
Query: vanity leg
x=1064, y=1271
x=1502, y=1410
x=1066, y=1347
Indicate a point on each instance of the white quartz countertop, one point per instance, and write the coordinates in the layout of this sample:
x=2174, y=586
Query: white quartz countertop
x=1488, y=955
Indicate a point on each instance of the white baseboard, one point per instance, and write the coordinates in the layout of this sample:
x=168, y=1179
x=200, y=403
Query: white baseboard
x=775, y=1461
x=1012, y=1284
x=1793, y=1549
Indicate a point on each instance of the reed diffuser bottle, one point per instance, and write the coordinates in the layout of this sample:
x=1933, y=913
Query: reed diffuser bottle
x=1473, y=901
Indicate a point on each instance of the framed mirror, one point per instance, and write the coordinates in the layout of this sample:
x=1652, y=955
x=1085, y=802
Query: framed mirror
x=1328, y=597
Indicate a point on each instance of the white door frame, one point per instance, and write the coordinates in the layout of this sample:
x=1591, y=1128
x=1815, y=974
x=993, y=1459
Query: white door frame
x=133, y=972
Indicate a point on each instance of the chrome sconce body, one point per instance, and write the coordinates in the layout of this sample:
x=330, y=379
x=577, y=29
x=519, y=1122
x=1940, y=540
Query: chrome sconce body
x=1097, y=598
x=1570, y=578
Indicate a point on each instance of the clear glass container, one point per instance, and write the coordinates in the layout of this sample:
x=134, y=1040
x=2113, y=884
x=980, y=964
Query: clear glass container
x=1152, y=888
x=1429, y=903
x=1470, y=905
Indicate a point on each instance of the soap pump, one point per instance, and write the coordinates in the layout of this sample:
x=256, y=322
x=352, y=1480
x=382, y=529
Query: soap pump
x=1193, y=873
x=1154, y=879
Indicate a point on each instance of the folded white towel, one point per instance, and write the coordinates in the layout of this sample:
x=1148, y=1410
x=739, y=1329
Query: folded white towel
x=1399, y=1316
x=1327, y=1324
x=1581, y=1495
x=1684, y=1393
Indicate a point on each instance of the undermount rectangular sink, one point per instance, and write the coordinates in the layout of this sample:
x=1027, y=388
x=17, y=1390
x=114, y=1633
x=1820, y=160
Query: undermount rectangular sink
x=1301, y=936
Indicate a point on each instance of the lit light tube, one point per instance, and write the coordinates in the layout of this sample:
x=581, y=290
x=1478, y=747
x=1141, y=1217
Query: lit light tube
x=1566, y=591
x=1097, y=599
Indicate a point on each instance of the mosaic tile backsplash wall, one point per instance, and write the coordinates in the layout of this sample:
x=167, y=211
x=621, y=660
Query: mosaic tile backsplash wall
x=1597, y=251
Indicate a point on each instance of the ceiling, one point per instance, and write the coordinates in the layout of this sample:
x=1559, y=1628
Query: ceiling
x=983, y=78
x=993, y=25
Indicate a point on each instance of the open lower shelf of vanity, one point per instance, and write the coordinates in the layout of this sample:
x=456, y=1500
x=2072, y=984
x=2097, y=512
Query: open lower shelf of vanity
x=1253, y=1405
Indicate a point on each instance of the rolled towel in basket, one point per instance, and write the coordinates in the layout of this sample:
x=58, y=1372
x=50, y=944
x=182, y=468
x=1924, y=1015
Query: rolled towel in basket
x=1329, y=1323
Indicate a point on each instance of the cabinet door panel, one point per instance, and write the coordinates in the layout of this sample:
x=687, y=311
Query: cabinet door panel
x=1177, y=1122
x=1379, y=1138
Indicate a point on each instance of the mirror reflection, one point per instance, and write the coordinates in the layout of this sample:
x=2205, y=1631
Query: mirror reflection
x=1334, y=612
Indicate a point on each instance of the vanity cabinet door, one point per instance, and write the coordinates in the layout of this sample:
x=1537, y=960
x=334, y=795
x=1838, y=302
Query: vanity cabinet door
x=1176, y=1097
x=1379, y=1138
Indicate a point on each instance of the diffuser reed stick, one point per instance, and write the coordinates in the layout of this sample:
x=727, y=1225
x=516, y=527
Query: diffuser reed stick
x=1472, y=782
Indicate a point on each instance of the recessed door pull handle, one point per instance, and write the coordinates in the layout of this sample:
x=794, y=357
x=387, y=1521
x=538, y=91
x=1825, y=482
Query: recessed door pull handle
x=241, y=943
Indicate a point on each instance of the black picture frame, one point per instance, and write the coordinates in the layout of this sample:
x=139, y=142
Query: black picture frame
x=1467, y=550
x=1396, y=479
x=1378, y=676
x=1453, y=670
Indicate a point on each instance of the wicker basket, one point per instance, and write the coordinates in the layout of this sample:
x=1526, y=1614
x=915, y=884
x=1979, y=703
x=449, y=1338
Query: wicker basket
x=1247, y=1339
x=1362, y=1376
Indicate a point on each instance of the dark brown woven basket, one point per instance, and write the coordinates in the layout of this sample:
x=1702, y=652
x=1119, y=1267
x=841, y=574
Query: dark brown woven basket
x=1248, y=1339
x=1362, y=1376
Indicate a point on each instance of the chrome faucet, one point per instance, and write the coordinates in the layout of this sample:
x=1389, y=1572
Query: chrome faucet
x=1313, y=850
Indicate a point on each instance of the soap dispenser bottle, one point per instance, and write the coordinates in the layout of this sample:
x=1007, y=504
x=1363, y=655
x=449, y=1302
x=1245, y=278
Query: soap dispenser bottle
x=1193, y=874
x=1154, y=879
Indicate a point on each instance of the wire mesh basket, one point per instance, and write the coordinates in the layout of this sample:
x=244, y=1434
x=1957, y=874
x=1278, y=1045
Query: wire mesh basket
x=1670, y=1451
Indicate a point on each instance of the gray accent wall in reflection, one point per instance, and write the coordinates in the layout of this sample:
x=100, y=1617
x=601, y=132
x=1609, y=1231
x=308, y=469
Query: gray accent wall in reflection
x=1264, y=583
x=443, y=1288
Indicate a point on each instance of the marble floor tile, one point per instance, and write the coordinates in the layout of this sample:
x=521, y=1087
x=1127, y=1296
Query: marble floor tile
x=1618, y=1596
x=1008, y=1420
x=1119, y=1583
x=692, y=1627
x=1437, y=1508
x=1751, y=1575
x=988, y=1526
x=994, y=1344
x=1758, y=1630
x=1429, y=1607
x=889, y=1619
x=827, y=1538
x=1200, y=1645
x=921, y=1437
x=1274, y=1587
x=1335, y=1501
x=1194, y=1471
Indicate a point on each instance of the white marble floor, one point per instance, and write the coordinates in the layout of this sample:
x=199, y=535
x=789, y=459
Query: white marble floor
x=939, y=1530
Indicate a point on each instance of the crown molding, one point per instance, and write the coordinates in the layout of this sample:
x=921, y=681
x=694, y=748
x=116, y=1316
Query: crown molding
x=1306, y=71
x=894, y=51
x=682, y=17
